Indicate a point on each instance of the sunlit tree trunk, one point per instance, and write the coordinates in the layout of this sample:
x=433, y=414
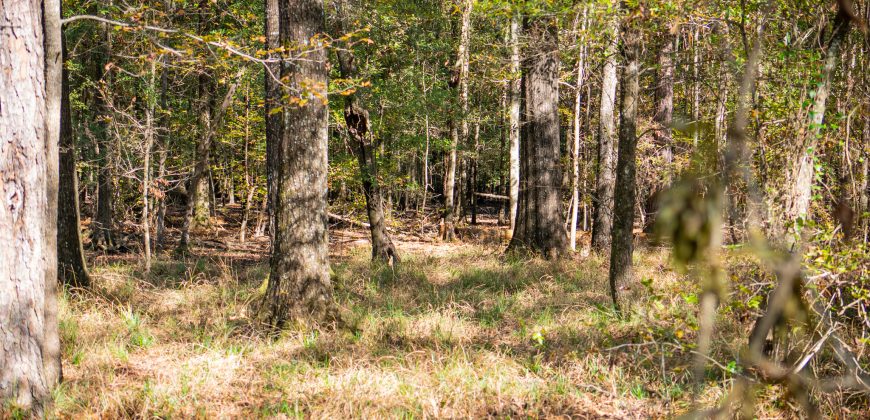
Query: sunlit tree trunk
x=799, y=194
x=299, y=283
x=514, y=118
x=29, y=126
x=539, y=225
x=575, y=151
x=603, y=211
x=626, y=184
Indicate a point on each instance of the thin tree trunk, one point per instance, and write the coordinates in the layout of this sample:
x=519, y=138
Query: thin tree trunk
x=28, y=128
x=472, y=184
x=602, y=223
x=696, y=88
x=103, y=232
x=356, y=117
x=299, y=283
x=72, y=270
x=458, y=134
x=146, y=169
x=249, y=183
x=575, y=155
x=53, y=44
x=539, y=225
x=160, y=229
x=626, y=183
x=201, y=170
x=663, y=118
x=797, y=200
x=514, y=116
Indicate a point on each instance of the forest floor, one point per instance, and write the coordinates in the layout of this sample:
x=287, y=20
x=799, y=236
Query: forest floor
x=454, y=330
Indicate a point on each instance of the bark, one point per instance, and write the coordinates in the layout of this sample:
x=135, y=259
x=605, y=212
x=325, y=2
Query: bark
x=797, y=199
x=663, y=118
x=72, y=270
x=53, y=44
x=160, y=228
x=356, y=117
x=25, y=231
x=602, y=223
x=514, y=117
x=539, y=226
x=626, y=183
x=299, y=283
x=249, y=182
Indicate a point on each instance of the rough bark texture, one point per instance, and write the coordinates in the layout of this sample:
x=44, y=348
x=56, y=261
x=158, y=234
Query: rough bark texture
x=24, y=227
x=539, y=226
x=514, y=118
x=663, y=118
x=626, y=184
x=299, y=283
x=797, y=199
x=72, y=269
x=603, y=210
x=357, y=119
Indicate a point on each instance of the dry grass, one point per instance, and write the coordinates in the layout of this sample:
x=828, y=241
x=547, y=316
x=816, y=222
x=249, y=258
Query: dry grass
x=454, y=331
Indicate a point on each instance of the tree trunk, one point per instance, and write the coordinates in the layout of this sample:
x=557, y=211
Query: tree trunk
x=160, y=228
x=72, y=269
x=575, y=152
x=797, y=200
x=274, y=116
x=103, y=232
x=539, y=226
x=356, y=117
x=602, y=223
x=299, y=283
x=458, y=134
x=663, y=118
x=626, y=183
x=146, y=169
x=514, y=117
x=28, y=128
x=201, y=169
x=249, y=182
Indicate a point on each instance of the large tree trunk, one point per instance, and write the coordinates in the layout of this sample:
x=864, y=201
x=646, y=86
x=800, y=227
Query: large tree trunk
x=602, y=223
x=539, y=226
x=514, y=118
x=72, y=269
x=626, y=184
x=299, y=284
x=357, y=119
x=797, y=198
x=28, y=128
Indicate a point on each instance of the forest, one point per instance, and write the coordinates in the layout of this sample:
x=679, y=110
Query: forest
x=435, y=209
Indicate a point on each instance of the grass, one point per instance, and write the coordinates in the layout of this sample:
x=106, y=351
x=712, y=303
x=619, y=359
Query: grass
x=466, y=332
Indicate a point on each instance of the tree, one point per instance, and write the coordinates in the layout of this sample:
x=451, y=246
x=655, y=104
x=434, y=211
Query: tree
x=514, y=117
x=299, y=283
x=622, y=239
x=605, y=183
x=26, y=224
x=539, y=226
x=802, y=172
x=72, y=269
x=356, y=117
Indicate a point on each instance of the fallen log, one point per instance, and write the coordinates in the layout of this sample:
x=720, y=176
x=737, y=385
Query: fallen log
x=342, y=219
x=493, y=196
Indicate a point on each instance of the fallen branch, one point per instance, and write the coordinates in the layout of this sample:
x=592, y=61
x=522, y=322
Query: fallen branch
x=347, y=220
x=493, y=196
